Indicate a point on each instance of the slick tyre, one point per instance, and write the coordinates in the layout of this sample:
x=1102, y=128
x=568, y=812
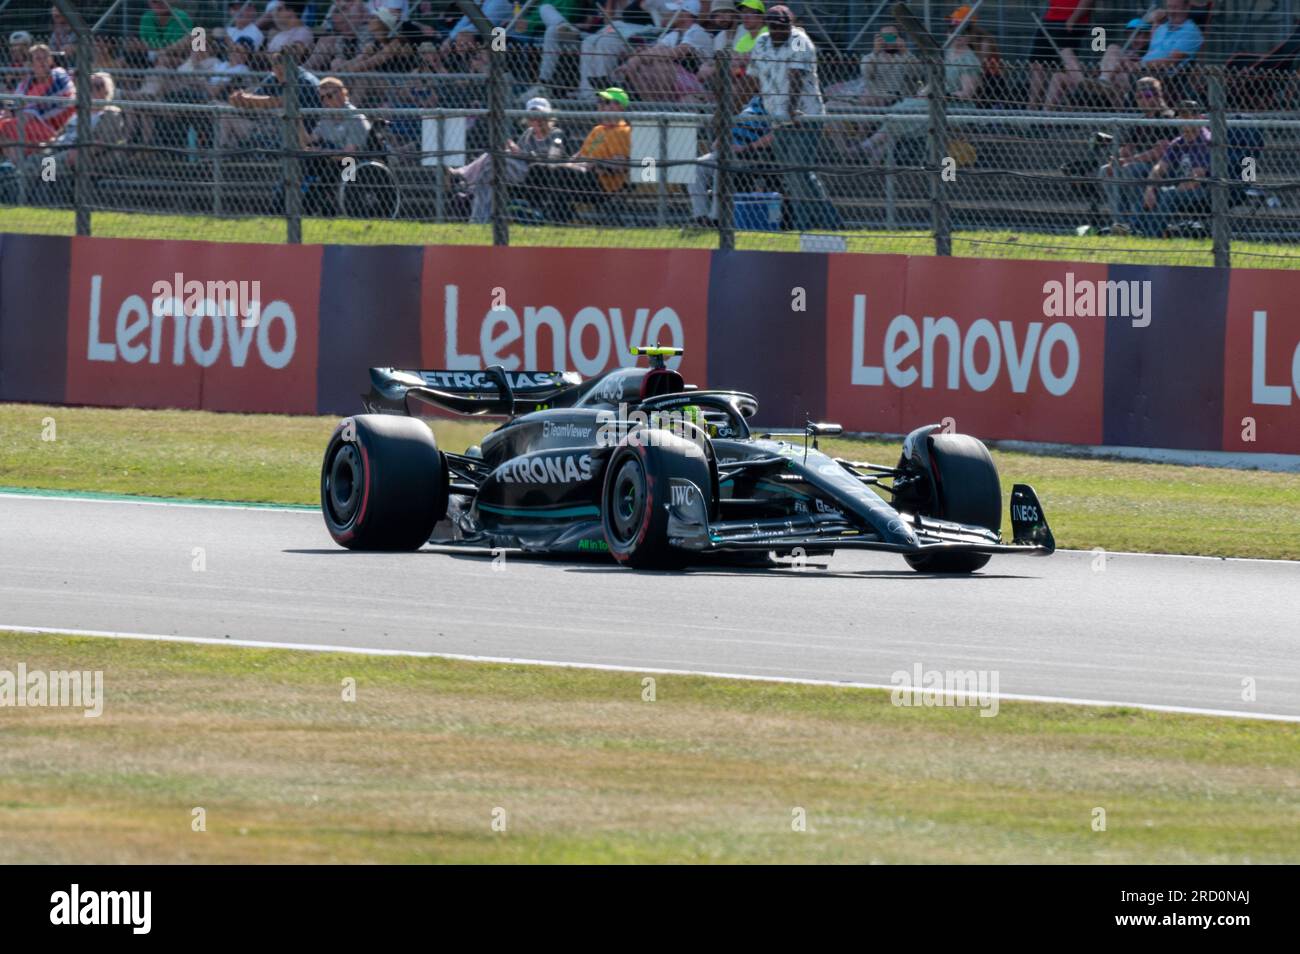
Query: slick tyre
x=383, y=483
x=966, y=490
x=637, y=493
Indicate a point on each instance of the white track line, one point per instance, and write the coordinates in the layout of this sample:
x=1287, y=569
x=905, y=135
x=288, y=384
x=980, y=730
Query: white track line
x=969, y=698
x=275, y=508
x=151, y=502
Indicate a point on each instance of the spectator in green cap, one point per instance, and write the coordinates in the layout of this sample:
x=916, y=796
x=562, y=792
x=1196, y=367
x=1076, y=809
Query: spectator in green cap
x=615, y=95
x=597, y=170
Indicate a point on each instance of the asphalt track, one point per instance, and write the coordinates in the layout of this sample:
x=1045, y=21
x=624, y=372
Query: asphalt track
x=1160, y=631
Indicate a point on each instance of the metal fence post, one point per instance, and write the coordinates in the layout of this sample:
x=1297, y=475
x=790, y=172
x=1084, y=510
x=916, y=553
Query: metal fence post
x=292, y=166
x=722, y=155
x=498, y=134
x=85, y=134
x=1221, y=226
x=939, y=219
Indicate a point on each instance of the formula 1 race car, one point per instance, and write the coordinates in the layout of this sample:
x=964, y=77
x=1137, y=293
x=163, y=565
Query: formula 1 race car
x=657, y=474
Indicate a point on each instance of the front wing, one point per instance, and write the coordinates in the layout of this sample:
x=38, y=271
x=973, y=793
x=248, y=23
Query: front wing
x=690, y=529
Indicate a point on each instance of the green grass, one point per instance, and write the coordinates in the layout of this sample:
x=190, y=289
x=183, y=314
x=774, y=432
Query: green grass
x=1116, y=505
x=586, y=771
x=981, y=244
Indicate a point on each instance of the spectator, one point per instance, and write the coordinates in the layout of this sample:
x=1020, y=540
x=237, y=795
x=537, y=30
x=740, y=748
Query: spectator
x=334, y=138
x=784, y=61
x=307, y=12
x=498, y=12
x=737, y=29
x=399, y=8
x=266, y=97
x=1142, y=148
x=346, y=134
x=1174, y=42
x=108, y=56
x=63, y=39
x=202, y=59
x=739, y=36
x=665, y=70
x=242, y=24
x=217, y=73
x=106, y=125
x=424, y=18
x=1065, y=25
x=753, y=24
x=602, y=49
x=599, y=168
x=341, y=39
x=555, y=23
x=962, y=74
x=751, y=142
x=290, y=32
x=237, y=65
x=889, y=73
x=465, y=55
x=542, y=139
x=1186, y=158
x=387, y=51
x=38, y=122
x=163, y=30
x=20, y=49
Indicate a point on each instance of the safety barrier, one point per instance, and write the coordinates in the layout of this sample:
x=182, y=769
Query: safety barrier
x=1147, y=356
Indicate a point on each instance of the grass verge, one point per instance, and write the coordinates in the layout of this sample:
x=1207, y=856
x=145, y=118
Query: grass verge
x=978, y=244
x=1116, y=505
x=586, y=771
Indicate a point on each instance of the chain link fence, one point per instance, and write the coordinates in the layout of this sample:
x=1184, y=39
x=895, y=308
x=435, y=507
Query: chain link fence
x=672, y=132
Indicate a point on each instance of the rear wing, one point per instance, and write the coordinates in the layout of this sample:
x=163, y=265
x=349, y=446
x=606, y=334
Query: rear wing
x=491, y=391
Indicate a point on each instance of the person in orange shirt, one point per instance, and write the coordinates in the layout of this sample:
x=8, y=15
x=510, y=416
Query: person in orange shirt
x=598, y=169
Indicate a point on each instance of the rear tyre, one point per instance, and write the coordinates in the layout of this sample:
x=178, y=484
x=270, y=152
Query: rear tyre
x=383, y=483
x=966, y=490
x=637, y=493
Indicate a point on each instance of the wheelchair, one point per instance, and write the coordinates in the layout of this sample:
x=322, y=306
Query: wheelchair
x=366, y=188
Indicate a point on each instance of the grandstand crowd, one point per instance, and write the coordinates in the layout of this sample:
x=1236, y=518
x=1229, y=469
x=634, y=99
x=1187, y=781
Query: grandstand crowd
x=362, y=57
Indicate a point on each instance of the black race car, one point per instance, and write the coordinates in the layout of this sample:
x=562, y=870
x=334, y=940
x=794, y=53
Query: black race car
x=656, y=473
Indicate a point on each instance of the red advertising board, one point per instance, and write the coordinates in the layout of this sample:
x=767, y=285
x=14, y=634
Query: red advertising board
x=193, y=325
x=1261, y=363
x=553, y=309
x=991, y=344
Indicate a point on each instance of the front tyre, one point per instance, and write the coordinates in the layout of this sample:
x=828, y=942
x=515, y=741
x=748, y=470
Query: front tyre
x=638, y=493
x=383, y=483
x=966, y=490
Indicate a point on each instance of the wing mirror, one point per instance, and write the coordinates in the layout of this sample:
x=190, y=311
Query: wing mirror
x=816, y=429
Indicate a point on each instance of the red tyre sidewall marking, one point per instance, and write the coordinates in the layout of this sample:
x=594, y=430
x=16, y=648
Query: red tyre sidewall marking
x=345, y=535
x=649, y=496
x=365, y=478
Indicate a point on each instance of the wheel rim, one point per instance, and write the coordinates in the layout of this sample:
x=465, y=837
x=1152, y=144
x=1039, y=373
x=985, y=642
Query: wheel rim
x=627, y=496
x=343, y=485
